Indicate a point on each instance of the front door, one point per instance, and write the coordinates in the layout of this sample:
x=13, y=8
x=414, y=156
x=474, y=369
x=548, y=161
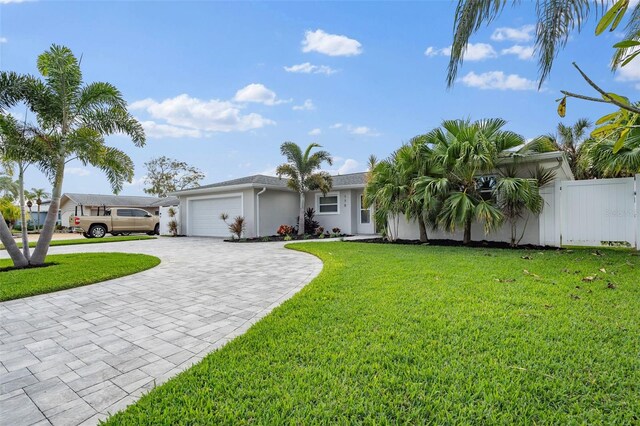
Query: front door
x=365, y=218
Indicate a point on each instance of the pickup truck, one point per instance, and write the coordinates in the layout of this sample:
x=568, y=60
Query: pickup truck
x=117, y=221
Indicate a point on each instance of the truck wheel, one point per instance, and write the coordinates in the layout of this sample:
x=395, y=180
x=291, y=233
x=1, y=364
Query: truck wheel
x=97, y=231
x=156, y=230
x=114, y=234
x=84, y=234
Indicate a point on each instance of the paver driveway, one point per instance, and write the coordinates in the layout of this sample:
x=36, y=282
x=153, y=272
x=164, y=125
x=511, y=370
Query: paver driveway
x=71, y=357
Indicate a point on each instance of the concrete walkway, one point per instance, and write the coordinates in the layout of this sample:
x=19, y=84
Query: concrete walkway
x=72, y=357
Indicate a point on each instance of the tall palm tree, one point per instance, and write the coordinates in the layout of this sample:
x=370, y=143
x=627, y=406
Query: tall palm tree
x=75, y=118
x=568, y=139
x=601, y=159
x=301, y=169
x=39, y=194
x=556, y=21
x=467, y=151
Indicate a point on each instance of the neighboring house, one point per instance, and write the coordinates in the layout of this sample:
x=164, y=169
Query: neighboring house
x=533, y=225
x=90, y=204
x=33, y=214
x=266, y=203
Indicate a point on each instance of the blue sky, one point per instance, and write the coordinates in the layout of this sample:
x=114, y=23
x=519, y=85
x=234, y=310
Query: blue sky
x=222, y=85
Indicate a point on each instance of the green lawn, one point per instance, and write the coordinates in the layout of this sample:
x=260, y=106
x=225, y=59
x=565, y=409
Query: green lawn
x=83, y=240
x=68, y=271
x=392, y=334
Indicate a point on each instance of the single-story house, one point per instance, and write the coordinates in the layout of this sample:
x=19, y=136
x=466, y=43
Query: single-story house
x=266, y=203
x=534, y=226
x=90, y=204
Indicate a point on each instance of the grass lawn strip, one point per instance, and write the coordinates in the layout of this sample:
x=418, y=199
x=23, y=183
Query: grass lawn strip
x=69, y=270
x=416, y=334
x=72, y=242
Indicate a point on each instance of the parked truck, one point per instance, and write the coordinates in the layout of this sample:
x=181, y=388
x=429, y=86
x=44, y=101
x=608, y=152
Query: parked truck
x=117, y=221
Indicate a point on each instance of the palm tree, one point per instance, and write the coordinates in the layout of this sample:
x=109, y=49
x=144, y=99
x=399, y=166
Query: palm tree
x=415, y=161
x=39, y=194
x=516, y=195
x=467, y=151
x=602, y=161
x=8, y=188
x=387, y=190
x=301, y=169
x=568, y=139
x=75, y=118
x=556, y=21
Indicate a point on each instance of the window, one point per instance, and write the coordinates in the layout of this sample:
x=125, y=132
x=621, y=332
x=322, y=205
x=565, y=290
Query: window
x=485, y=186
x=365, y=214
x=328, y=204
x=139, y=213
x=125, y=212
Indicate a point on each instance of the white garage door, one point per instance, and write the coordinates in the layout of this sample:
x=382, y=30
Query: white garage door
x=204, y=215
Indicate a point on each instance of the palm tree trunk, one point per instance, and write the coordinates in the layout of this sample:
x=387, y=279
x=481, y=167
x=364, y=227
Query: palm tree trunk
x=23, y=215
x=19, y=261
x=46, y=233
x=39, y=214
x=423, y=230
x=467, y=232
x=301, y=215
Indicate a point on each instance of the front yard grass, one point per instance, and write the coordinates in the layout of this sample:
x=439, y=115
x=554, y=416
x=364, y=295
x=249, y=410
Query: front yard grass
x=391, y=334
x=75, y=241
x=68, y=271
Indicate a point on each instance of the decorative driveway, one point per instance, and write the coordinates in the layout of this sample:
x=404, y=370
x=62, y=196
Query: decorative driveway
x=72, y=357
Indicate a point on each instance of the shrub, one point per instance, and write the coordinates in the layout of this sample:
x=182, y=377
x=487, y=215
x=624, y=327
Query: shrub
x=319, y=230
x=336, y=230
x=321, y=236
x=173, y=227
x=288, y=238
x=236, y=227
x=310, y=225
x=265, y=239
x=306, y=237
x=285, y=230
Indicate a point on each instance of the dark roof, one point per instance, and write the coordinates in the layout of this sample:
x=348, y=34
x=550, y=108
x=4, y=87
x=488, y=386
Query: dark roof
x=166, y=202
x=352, y=179
x=112, y=200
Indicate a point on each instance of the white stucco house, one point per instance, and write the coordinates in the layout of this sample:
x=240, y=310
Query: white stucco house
x=266, y=203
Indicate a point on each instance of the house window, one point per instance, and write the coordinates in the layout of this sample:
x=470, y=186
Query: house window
x=485, y=186
x=365, y=214
x=328, y=204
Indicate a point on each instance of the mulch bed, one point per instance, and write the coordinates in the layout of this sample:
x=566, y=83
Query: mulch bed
x=455, y=243
x=282, y=238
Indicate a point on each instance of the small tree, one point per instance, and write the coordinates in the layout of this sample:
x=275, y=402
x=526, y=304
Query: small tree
x=173, y=223
x=236, y=227
x=165, y=175
x=301, y=169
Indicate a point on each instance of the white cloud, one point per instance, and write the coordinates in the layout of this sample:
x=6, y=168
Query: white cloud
x=184, y=116
x=4, y=40
x=155, y=130
x=12, y=1
x=307, y=105
x=315, y=132
x=474, y=52
x=257, y=93
x=330, y=44
x=336, y=126
x=309, y=68
x=524, y=33
x=362, y=130
x=349, y=166
x=522, y=52
x=498, y=80
x=630, y=73
x=77, y=171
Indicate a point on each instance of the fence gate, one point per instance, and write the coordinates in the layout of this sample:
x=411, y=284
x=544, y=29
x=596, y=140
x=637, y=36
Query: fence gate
x=599, y=212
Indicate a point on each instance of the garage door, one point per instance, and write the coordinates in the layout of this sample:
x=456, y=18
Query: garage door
x=204, y=215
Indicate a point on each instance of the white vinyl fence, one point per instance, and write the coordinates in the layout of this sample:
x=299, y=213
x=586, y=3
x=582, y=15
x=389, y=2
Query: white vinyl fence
x=165, y=219
x=603, y=212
